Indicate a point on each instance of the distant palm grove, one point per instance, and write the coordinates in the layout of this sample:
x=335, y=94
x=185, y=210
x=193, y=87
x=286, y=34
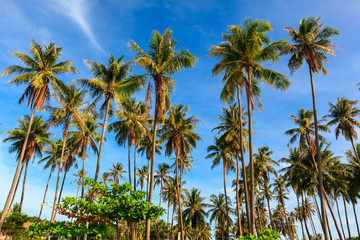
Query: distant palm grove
x=119, y=203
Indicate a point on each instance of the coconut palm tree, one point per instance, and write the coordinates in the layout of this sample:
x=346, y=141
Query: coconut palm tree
x=312, y=42
x=248, y=47
x=130, y=128
x=143, y=174
x=37, y=138
x=170, y=196
x=343, y=114
x=264, y=165
x=113, y=83
x=86, y=137
x=162, y=176
x=105, y=178
x=160, y=62
x=72, y=104
x=231, y=132
x=53, y=152
x=79, y=176
x=39, y=74
x=219, y=213
x=178, y=132
x=117, y=171
x=194, y=210
x=222, y=151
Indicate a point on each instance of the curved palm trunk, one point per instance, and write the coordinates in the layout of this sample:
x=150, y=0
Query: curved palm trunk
x=226, y=204
x=307, y=229
x=4, y=213
x=242, y=155
x=102, y=140
x=62, y=186
x=47, y=185
x=313, y=225
x=341, y=224
x=129, y=162
x=237, y=194
x=327, y=222
x=356, y=220
x=17, y=184
x=152, y=171
x=320, y=177
x=333, y=216
x=23, y=187
x=347, y=219
x=67, y=124
x=251, y=161
x=355, y=151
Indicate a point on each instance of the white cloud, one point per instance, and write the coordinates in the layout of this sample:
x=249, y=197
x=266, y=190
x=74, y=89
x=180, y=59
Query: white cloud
x=78, y=11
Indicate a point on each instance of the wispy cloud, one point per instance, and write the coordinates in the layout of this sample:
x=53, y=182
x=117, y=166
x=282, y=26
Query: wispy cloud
x=78, y=11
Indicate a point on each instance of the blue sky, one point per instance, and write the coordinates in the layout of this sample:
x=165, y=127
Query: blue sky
x=93, y=29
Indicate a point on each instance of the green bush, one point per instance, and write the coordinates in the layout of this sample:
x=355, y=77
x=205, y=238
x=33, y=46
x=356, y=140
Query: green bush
x=267, y=234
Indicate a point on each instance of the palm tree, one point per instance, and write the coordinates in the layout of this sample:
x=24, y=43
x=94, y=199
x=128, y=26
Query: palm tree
x=86, y=137
x=170, y=196
x=343, y=114
x=39, y=76
x=245, y=48
x=160, y=62
x=222, y=151
x=37, y=138
x=162, y=176
x=312, y=42
x=111, y=81
x=229, y=127
x=115, y=171
x=178, y=132
x=132, y=126
x=53, y=152
x=264, y=165
x=79, y=176
x=219, y=212
x=105, y=178
x=194, y=210
x=143, y=174
x=72, y=103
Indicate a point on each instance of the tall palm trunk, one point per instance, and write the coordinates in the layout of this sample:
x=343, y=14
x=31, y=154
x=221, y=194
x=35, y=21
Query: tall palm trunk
x=242, y=155
x=251, y=161
x=167, y=221
x=356, y=220
x=152, y=172
x=347, y=219
x=341, y=224
x=313, y=225
x=333, y=215
x=23, y=187
x=62, y=186
x=328, y=226
x=67, y=124
x=129, y=161
x=320, y=177
x=237, y=193
x=77, y=192
x=180, y=219
x=135, y=166
x=226, y=202
x=102, y=138
x=47, y=185
x=268, y=203
x=300, y=219
x=355, y=150
x=304, y=217
x=148, y=179
x=17, y=184
x=83, y=176
x=172, y=222
x=307, y=229
x=4, y=213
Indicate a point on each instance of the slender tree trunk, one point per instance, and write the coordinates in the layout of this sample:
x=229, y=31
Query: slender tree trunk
x=237, y=193
x=167, y=222
x=17, y=184
x=317, y=208
x=328, y=226
x=355, y=151
x=62, y=186
x=341, y=224
x=270, y=215
x=77, y=192
x=23, y=187
x=151, y=187
x=300, y=219
x=135, y=166
x=251, y=161
x=226, y=202
x=148, y=179
x=333, y=215
x=242, y=155
x=129, y=161
x=313, y=225
x=172, y=222
x=356, y=220
x=67, y=124
x=320, y=177
x=307, y=229
x=180, y=219
x=102, y=139
x=47, y=185
x=347, y=219
x=134, y=225
x=4, y=213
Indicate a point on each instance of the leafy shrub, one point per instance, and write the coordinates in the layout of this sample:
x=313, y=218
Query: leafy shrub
x=267, y=234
